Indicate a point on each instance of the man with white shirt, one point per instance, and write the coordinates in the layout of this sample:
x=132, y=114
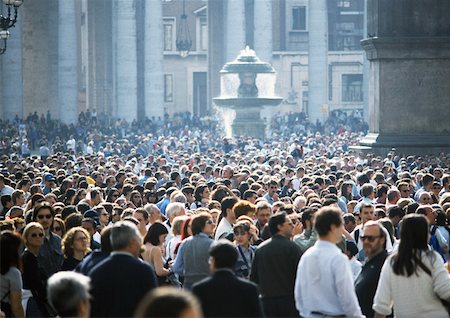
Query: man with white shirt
x=324, y=282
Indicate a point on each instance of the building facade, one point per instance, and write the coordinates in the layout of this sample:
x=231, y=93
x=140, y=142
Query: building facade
x=120, y=57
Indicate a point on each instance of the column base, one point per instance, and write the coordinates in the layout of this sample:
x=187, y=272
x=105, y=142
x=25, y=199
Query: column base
x=381, y=144
x=248, y=122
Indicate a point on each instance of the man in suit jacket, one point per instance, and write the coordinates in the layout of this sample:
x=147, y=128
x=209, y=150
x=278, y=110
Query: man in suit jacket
x=274, y=268
x=224, y=294
x=122, y=280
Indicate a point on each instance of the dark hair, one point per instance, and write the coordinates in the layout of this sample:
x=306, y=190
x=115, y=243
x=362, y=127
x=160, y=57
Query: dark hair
x=10, y=243
x=153, y=233
x=166, y=302
x=277, y=219
x=349, y=218
x=199, y=190
x=224, y=254
x=325, y=218
x=413, y=240
x=199, y=221
x=105, y=241
x=40, y=206
x=68, y=210
x=395, y=211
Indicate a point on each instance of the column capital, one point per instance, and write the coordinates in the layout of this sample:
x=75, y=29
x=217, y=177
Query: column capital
x=407, y=48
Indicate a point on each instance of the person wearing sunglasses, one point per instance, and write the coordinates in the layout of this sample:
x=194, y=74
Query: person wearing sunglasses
x=50, y=255
x=34, y=297
x=374, y=242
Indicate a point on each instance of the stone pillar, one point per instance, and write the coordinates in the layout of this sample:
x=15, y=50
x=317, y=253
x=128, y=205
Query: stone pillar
x=216, y=46
x=12, y=73
x=409, y=54
x=318, y=61
x=154, y=58
x=52, y=58
x=126, y=59
x=235, y=28
x=67, y=63
x=366, y=71
x=263, y=30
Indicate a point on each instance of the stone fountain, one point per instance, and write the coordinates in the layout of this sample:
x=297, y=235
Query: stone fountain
x=246, y=86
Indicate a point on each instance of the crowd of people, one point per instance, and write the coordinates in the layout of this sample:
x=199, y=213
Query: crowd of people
x=164, y=218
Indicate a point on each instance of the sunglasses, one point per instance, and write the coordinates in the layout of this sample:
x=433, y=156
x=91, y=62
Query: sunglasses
x=37, y=234
x=370, y=238
x=47, y=216
x=210, y=222
x=57, y=228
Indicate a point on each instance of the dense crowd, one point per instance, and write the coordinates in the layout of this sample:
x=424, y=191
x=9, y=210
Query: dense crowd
x=164, y=217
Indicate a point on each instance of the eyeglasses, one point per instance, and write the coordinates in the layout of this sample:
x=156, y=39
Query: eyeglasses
x=405, y=190
x=370, y=238
x=83, y=238
x=210, y=222
x=47, y=216
x=105, y=214
x=240, y=233
x=37, y=234
x=115, y=195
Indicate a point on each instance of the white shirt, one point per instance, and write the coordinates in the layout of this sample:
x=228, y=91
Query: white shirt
x=224, y=227
x=416, y=295
x=324, y=283
x=171, y=245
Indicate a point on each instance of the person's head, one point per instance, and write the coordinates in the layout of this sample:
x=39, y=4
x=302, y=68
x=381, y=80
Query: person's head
x=373, y=238
x=175, y=209
x=223, y=254
x=413, y=238
x=68, y=293
x=395, y=213
x=328, y=224
x=368, y=191
x=349, y=222
x=428, y=212
x=141, y=215
x=125, y=236
x=250, y=195
x=156, y=234
x=169, y=302
x=227, y=208
x=263, y=212
x=241, y=232
x=10, y=243
x=244, y=207
x=281, y=224
x=177, y=224
x=366, y=212
x=202, y=222
x=427, y=181
x=43, y=213
x=33, y=235
x=424, y=198
x=76, y=240
x=18, y=198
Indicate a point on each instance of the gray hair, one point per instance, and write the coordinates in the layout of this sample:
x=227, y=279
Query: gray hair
x=175, y=209
x=122, y=233
x=179, y=197
x=66, y=290
x=151, y=208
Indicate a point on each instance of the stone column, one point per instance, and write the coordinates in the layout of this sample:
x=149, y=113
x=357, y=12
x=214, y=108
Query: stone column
x=52, y=58
x=409, y=54
x=67, y=62
x=126, y=59
x=154, y=58
x=12, y=73
x=235, y=28
x=263, y=30
x=318, y=60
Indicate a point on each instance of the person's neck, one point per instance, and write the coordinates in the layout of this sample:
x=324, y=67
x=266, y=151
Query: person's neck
x=78, y=255
x=245, y=245
x=328, y=238
x=34, y=250
x=371, y=256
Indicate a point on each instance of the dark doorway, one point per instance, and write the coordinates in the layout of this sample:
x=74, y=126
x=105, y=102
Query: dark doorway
x=200, y=94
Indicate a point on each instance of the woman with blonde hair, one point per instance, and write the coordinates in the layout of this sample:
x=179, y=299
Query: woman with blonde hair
x=75, y=246
x=34, y=296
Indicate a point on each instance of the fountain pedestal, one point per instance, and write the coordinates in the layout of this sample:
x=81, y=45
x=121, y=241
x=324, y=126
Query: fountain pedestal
x=247, y=85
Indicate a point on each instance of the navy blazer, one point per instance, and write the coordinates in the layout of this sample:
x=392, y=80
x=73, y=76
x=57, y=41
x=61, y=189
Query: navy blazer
x=225, y=295
x=118, y=285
